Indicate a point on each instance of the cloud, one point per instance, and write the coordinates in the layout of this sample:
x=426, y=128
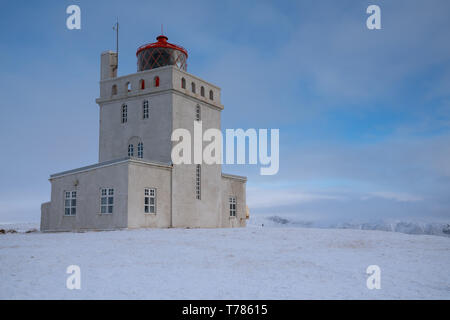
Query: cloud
x=397, y=196
x=346, y=61
x=268, y=198
x=395, y=177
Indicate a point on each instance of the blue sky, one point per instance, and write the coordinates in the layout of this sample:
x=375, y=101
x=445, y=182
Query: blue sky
x=364, y=115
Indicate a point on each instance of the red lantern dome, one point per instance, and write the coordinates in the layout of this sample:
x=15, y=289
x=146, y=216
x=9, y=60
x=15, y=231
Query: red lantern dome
x=160, y=54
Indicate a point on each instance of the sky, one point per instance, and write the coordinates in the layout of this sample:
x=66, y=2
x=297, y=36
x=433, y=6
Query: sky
x=364, y=115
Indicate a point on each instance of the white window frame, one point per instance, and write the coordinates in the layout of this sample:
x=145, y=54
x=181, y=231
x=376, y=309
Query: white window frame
x=145, y=110
x=131, y=150
x=198, y=115
x=198, y=182
x=70, y=203
x=124, y=113
x=149, y=195
x=140, y=150
x=232, y=206
x=107, y=201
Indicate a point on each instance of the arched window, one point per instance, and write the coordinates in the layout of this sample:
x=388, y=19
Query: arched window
x=114, y=90
x=211, y=95
x=133, y=142
x=193, y=87
x=156, y=81
x=128, y=87
x=140, y=150
x=142, y=84
x=124, y=113
x=197, y=113
x=183, y=83
x=145, y=109
x=130, y=150
x=202, y=91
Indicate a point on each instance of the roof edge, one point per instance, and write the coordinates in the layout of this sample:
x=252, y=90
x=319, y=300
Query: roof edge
x=107, y=164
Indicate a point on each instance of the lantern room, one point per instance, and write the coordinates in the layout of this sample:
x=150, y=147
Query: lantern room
x=160, y=54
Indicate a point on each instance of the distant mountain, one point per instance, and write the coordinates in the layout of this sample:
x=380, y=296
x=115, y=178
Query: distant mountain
x=409, y=227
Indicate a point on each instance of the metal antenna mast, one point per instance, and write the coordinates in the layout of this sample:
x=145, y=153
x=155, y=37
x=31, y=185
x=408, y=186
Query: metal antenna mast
x=116, y=27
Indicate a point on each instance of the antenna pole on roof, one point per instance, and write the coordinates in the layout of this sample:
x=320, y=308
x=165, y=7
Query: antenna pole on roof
x=116, y=28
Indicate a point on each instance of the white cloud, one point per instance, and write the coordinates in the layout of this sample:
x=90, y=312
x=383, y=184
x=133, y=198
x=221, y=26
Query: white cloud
x=397, y=196
x=266, y=198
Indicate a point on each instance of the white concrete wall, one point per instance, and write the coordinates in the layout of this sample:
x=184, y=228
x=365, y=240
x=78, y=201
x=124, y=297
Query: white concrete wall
x=143, y=176
x=45, y=216
x=190, y=78
x=88, y=185
x=187, y=210
x=154, y=131
x=165, y=82
x=108, y=65
x=233, y=187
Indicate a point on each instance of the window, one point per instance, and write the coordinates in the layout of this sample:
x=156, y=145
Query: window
x=142, y=84
x=193, y=87
x=128, y=86
x=124, y=113
x=202, y=91
x=70, y=203
x=156, y=81
x=150, y=200
x=140, y=150
x=198, y=182
x=211, y=95
x=114, y=90
x=232, y=201
x=107, y=201
x=183, y=83
x=197, y=113
x=130, y=150
x=145, y=109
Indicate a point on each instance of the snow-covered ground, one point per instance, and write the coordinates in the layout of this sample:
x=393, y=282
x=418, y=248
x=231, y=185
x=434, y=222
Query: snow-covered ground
x=250, y=263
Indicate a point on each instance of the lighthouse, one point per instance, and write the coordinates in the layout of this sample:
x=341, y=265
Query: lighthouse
x=135, y=184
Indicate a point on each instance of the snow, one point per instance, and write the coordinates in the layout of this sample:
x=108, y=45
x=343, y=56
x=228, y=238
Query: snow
x=248, y=263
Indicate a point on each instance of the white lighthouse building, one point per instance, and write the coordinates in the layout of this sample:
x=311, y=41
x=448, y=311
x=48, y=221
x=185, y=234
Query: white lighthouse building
x=135, y=184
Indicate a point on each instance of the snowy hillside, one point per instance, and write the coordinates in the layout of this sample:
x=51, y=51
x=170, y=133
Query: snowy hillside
x=251, y=263
x=409, y=227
